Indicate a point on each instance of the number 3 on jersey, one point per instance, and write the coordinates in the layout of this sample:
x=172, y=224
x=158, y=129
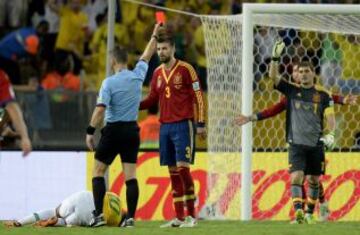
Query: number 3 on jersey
x=167, y=92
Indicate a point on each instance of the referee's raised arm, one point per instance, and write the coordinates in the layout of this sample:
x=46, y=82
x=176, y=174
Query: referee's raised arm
x=151, y=46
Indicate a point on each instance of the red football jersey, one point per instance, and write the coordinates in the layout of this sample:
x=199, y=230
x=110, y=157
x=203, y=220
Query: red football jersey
x=176, y=90
x=6, y=92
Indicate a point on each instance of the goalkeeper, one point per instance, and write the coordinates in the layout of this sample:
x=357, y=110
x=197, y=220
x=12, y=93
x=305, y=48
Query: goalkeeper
x=307, y=106
x=279, y=108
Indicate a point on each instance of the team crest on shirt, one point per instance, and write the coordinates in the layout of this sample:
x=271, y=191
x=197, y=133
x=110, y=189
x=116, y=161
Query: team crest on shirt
x=178, y=81
x=316, y=98
x=158, y=82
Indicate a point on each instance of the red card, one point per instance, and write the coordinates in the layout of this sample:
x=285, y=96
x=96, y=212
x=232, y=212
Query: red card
x=160, y=17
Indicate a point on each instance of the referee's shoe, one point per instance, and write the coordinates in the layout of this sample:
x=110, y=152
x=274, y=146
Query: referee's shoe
x=97, y=221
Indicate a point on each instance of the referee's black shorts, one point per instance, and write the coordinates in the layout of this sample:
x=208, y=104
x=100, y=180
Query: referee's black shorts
x=118, y=138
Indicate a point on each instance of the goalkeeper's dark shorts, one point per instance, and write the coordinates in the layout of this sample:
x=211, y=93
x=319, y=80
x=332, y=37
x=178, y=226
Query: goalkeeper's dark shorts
x=310, y=160
x=118, y=138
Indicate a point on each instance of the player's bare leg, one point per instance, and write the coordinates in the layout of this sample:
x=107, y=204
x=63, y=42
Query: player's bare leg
x=47, y=223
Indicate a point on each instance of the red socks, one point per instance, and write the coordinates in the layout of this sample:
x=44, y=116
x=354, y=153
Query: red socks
x=178, y=193
x=189, y=190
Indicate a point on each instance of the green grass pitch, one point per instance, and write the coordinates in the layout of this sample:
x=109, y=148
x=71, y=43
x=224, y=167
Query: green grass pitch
x=203, y=228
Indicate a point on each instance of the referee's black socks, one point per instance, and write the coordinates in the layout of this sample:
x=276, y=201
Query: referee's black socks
x=132, y=196
x=99, y=190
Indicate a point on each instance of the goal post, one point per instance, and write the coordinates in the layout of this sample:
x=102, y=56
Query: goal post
x=249, y=10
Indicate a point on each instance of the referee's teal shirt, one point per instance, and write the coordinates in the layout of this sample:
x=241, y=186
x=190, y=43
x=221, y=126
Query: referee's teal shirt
x=121, y=94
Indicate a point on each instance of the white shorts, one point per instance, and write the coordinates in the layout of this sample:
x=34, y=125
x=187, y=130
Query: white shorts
x=77, y=209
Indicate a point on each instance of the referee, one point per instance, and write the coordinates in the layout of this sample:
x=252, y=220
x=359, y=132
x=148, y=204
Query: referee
x=119, y=100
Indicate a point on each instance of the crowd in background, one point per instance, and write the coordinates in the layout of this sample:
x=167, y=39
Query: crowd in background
x=61, y=44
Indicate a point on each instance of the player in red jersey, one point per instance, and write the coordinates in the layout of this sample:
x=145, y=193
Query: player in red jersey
x=8, y=103
x=175, y=86
x=279, y=108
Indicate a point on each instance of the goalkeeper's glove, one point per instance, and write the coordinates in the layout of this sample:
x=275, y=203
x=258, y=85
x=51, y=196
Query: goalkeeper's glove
x=329, y=141
x=277, y=50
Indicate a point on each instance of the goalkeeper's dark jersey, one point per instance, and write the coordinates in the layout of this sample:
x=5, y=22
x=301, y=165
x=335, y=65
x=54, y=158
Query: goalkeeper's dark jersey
x=305, y=112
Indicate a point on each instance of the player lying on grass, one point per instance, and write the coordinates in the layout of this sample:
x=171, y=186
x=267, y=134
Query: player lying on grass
x=279, y=108
x=75, y=210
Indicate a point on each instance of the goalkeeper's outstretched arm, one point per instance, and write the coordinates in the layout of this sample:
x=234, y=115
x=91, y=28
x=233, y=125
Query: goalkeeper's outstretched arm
x=262, y=115
x=274, y=65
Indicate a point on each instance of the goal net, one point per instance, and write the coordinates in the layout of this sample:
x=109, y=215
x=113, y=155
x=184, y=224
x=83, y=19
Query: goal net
x=332, y=44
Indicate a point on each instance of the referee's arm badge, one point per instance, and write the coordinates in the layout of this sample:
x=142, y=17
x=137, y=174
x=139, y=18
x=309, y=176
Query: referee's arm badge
x=99, y=100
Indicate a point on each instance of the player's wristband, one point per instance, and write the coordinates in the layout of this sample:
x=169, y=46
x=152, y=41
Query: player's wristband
x=201, y=124
x=90, y=130
x=254, y=117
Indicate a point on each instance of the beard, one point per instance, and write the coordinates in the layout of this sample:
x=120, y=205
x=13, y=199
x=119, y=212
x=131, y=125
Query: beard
x=164, y=59
x=307, y=81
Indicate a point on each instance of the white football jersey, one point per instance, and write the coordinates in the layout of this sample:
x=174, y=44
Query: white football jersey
x=77, y=209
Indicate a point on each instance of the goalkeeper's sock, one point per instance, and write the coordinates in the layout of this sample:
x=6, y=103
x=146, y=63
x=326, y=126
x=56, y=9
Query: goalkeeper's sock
x=303, y=196
x=296, y=194
x=321, y=193
x=312, y=198
x=99, y=191
x=189, y=190
x=42, y=215
x=177, y=193
x=132, y=196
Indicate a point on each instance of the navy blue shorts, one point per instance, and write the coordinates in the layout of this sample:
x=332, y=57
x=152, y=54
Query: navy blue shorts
x=177, y=143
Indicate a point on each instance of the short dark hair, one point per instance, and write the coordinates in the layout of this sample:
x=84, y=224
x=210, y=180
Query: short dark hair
x=306, y=64
x=167, y=38
x=120, y=54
